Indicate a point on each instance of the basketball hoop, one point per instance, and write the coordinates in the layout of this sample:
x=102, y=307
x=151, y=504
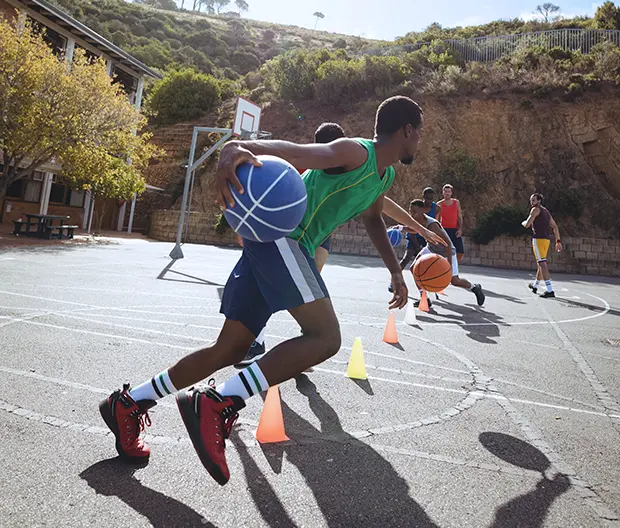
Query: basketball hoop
x=245, y=126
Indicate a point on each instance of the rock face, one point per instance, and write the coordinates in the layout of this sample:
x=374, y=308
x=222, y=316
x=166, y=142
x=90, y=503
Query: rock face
x=521, y=145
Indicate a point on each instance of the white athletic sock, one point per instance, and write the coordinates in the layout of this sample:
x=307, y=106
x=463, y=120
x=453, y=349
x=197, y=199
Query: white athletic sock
x=154, y=389
x=548, y=285
x=249, y=382
x=261, y=337
x=535, y=283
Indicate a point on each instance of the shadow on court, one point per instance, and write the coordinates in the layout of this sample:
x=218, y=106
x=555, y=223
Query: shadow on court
x=190, y=279
x=114, y=478
x=530, y=509
x=590, y=307
x=481, y=326
x=352, y=484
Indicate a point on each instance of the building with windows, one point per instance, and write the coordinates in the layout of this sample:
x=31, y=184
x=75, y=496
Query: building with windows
x=44, y=192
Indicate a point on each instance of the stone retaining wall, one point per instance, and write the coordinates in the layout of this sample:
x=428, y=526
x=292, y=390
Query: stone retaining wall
x=588, y=256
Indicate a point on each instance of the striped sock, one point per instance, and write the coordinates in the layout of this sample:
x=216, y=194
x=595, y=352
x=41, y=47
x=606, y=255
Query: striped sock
x=154, y=389
x=548, y=285
x=249, y=382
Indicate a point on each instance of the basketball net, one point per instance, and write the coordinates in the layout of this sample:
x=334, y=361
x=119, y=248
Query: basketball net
x=259, y=134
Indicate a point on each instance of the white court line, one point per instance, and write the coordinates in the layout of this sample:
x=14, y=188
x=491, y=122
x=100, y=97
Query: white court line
x=115, y=325
x=101, y=334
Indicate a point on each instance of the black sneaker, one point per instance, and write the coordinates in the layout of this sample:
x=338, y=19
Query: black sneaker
x=531, y=287
x=480, y=297
x=547, y=295
x=416, y=304
x=255, y=352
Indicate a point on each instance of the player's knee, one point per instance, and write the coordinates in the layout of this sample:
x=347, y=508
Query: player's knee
x=328, y=340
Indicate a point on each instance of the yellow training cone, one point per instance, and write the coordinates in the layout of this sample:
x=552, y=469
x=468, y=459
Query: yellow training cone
x=357, y=367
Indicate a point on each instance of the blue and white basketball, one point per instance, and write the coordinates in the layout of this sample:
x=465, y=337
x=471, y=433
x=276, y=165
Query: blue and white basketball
x=273, y=203
x=395, y=236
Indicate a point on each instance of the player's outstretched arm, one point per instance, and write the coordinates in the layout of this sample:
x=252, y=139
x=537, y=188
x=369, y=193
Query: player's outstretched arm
x=375, y=227
x=395, y=211
x=530, y=219
x=345, y=153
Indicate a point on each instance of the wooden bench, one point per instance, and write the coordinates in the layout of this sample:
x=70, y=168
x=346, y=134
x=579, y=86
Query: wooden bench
x=50, y=231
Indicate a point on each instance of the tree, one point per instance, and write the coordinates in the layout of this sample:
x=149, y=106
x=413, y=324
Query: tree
x=546, y=10
x=242, y=5
x=318, y=15
x=219, y=4
x=607, y=16
x=75, y=116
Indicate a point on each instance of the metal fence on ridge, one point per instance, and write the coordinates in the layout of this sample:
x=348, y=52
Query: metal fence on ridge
x=492, y=48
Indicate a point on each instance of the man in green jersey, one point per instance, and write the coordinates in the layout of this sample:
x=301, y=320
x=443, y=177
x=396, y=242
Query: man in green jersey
x=279, y=275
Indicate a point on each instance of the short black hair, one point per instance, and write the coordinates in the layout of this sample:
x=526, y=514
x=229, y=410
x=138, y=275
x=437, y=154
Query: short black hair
x=395, y=113
x=417, y=203
x=328, y=132
x=428, y=190
x=539, y=196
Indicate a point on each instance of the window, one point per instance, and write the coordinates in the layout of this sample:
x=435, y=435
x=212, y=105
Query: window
x=127, y=81
x=62, y=195
x=27, y=189
x=55, y=40
x=16, y=190
x=90, y=56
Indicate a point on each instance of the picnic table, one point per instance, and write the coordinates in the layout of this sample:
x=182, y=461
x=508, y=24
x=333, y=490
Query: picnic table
x=43, y=226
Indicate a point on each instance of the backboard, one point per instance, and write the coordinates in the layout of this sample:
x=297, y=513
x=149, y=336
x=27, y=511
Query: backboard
x=247, y=117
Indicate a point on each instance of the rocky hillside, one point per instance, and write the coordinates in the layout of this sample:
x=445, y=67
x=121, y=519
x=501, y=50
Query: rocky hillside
x=495, y=150
x=222, y=45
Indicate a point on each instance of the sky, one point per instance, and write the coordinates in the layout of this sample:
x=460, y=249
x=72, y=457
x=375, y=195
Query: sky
x=389, y=19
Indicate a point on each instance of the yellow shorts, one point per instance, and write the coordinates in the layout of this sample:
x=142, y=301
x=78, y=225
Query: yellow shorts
x=540, y=247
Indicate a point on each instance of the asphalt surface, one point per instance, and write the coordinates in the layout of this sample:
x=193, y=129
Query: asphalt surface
x=506, y=416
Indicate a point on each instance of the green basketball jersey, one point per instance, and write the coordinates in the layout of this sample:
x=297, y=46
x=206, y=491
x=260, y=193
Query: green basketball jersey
x=334, y=199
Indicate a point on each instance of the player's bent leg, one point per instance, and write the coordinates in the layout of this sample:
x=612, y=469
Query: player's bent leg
x=320, y=341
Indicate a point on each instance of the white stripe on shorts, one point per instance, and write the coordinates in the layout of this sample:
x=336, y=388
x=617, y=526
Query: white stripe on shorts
x=293, y=268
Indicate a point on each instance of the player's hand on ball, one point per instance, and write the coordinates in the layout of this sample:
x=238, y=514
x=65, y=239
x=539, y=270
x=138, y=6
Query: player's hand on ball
x=231, y=156
x=433, y=238
x=401, y=293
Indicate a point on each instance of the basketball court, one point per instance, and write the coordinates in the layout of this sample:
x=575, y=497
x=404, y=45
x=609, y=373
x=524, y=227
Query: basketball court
x=505, y=415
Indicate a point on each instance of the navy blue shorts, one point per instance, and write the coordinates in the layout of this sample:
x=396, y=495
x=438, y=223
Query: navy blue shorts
x=270, y=277
x=456, y=241
x=327, y=245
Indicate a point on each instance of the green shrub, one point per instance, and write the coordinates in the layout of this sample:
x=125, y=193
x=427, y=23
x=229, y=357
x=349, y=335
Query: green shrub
x=499, y=221
x=565, y=202
x=244, y=62
x=183, y=95
x=606, y=61
x=460, y=170
x=221, y=224
x=228, y=89
x=339, y=82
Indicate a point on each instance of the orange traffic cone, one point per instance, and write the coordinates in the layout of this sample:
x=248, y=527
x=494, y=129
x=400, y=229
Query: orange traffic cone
x=424, y=302
x=271, y=424
x=390, y=335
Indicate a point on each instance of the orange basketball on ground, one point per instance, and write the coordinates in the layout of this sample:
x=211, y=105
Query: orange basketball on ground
x=432, y=273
